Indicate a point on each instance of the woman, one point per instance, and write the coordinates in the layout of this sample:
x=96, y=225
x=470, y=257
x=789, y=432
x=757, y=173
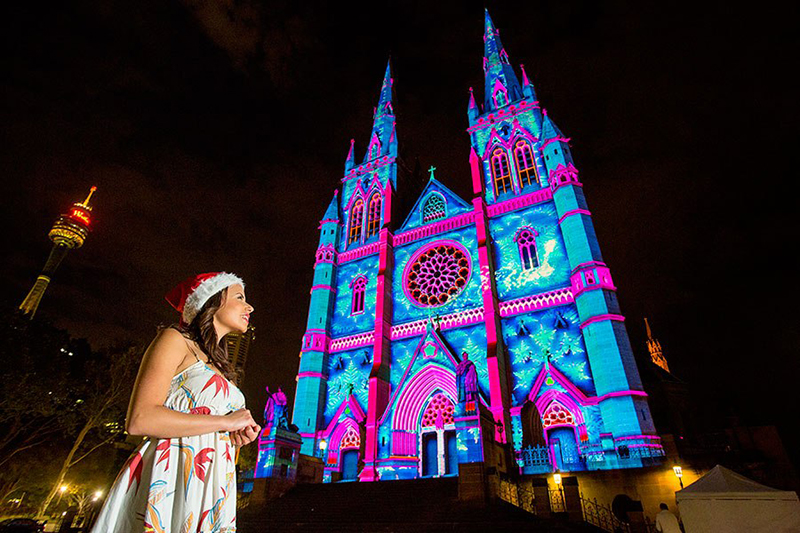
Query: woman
x=182, y=478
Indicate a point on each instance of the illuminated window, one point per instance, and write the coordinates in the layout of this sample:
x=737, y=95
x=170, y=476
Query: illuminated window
x=500, y=172
x=526, y=166
x=359, y=286
x=500, y=97
x=556, y=414
x=351, y=439
x=374, y=215
x=439, y=412
x=434, y=208
x=356, y=214
x=374, y=148
x=526, y=243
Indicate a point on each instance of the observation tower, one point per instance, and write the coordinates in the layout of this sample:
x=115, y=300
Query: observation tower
x=69, y=232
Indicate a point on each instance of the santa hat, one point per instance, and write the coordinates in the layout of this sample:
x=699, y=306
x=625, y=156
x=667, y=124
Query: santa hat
x=190, y=295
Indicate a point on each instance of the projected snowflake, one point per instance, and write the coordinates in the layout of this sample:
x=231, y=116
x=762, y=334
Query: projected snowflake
x=437, y=274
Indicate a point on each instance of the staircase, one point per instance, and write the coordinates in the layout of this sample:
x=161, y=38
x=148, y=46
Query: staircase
x=418, y=505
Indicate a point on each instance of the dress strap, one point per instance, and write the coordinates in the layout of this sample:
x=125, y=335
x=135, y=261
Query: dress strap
x=192, y=350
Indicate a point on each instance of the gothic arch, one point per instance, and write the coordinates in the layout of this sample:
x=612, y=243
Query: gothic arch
x=417, y=393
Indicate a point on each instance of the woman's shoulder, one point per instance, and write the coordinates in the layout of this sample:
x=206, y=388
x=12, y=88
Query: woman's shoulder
x=171, y=338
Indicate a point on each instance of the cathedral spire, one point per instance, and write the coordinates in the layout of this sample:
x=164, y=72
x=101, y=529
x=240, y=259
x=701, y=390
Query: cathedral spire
x=383, y=139
x=654, y=347
x=501, y=83
x=350, y=161
x=472, y=108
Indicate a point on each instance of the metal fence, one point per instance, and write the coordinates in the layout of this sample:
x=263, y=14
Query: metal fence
x=593, y=512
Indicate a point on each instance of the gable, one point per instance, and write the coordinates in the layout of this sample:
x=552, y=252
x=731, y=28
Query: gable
x=434, y=192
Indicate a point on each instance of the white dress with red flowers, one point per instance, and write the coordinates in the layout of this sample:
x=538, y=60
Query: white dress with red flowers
x=185, y=484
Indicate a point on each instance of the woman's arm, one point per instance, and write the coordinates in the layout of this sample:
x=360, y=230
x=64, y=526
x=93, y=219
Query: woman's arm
x=147, y=414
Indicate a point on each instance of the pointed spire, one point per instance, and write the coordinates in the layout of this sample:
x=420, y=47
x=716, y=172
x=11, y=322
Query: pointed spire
x=85, y=203
x=549, y=128
x=654, y=347
x=501, y=83
x=472, y=108
x=385, y=101
x=527, y=86
x=332, y=213
x=383, y=140
x=350, y=161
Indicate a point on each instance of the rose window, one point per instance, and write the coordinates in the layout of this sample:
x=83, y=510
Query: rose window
x=437, y=274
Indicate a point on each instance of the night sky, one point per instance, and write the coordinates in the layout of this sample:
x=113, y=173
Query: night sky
x=216, y=133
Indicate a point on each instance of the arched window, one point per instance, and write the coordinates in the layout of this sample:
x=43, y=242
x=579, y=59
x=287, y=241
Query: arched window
x=500, y=171
x=500, y=96
x=374, y=215
x=555, y=415
x=526, y=166
x=434, y=208
x=356, y=214
x=350, y=439
x=526, y=242
x=359, y=286
x=439, y=412
x=374, y=148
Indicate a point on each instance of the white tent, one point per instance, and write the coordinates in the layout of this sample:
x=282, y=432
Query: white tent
x=722, y=501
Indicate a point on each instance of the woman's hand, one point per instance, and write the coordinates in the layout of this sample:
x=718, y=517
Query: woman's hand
x=239, y=420
x=245, y=436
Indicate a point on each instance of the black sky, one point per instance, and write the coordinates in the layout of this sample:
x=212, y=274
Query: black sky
x=216, y=133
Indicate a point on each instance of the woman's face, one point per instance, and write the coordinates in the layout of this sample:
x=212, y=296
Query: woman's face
x=234, y=313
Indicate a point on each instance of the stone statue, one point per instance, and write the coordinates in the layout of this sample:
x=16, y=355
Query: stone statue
x=275, y=410
x=466, y=380
x=281, y=416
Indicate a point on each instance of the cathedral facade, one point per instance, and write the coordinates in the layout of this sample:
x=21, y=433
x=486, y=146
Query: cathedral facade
x=512, y=280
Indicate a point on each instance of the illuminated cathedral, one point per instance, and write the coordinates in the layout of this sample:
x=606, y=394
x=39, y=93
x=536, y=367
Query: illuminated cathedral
x=512, y=279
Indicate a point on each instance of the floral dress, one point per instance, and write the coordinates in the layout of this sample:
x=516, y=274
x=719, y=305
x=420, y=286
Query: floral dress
x=185, y=484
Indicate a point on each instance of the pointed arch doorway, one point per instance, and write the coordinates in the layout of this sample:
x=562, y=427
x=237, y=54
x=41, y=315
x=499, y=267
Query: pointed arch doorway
x=438, y=444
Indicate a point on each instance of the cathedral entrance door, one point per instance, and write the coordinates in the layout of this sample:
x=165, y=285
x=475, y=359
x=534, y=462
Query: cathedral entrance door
x=564, y=448
x=451, y=453
x=349, y=465
x=430, y=454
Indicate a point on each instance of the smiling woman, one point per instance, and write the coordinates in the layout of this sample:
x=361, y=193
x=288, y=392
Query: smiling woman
x=184, y=474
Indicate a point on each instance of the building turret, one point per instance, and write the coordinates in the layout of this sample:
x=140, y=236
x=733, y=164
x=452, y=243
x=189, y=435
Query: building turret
x=69, y=232
x=312, y=378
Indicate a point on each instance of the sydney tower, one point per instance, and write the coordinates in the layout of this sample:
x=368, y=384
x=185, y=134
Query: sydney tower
x=68, y=233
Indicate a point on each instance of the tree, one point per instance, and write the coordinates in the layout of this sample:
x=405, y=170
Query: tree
x=35, y=398
x=100, y=413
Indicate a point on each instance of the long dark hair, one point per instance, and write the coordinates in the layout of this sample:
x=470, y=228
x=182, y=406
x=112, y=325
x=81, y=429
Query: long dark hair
x=201, y=330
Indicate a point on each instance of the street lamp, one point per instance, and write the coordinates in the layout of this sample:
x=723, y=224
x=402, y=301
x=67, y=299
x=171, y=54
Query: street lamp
x=557, y=478
x=61, y=490
x=678, y=474
x=322, y=447
x=97, y=495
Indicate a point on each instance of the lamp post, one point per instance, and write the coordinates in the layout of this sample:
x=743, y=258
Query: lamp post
x=323, y=445
x=678, y=474
x=61, y=490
